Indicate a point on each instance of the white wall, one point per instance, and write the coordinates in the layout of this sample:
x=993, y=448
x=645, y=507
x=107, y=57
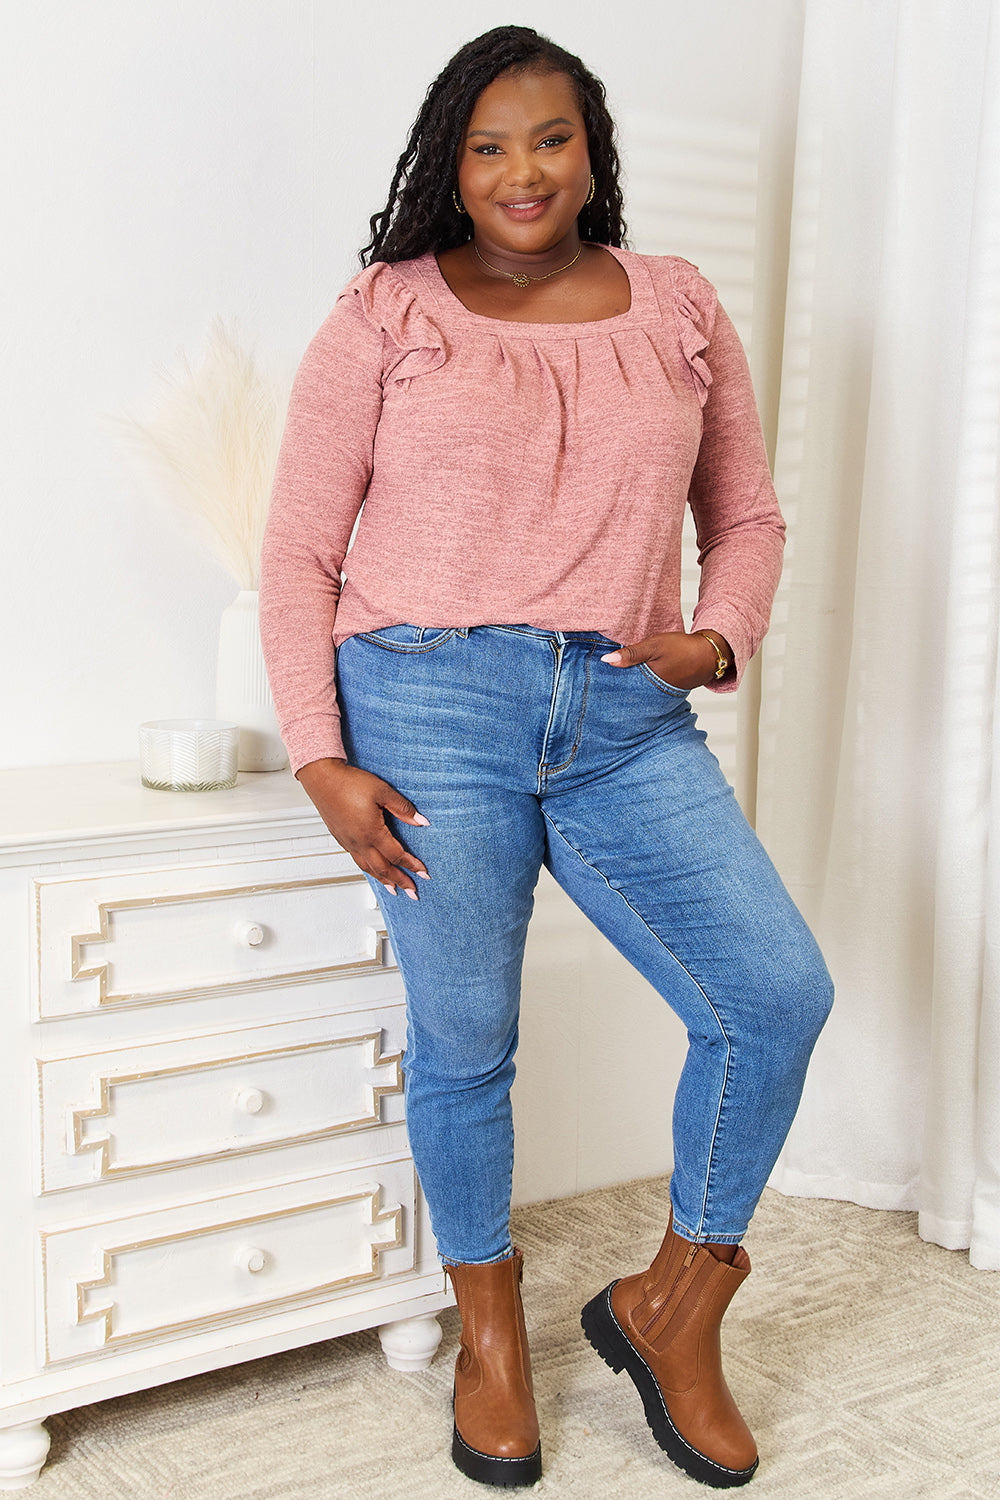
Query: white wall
x=177, y=160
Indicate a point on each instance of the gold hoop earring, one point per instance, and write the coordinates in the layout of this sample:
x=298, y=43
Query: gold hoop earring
x=458, y=207
x=592, y=186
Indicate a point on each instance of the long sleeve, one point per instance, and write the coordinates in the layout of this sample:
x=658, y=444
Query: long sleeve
x=323, y=472
x=737, y=520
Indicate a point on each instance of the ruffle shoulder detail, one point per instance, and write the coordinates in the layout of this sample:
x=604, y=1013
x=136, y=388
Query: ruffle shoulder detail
x=388, y=301
x=695, y=302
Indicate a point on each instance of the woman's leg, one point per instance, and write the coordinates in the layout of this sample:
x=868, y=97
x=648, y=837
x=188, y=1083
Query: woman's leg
x=452, y=722
x=645, y=835
x=426, y=722
x=460, y=949
x=660, y=857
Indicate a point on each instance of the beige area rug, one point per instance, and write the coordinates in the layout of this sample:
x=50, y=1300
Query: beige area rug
x=866, y=1362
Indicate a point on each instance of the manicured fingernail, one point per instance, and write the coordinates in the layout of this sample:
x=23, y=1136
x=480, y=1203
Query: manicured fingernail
x=611, y=656
x=389, y=887
x=412, y=894
x=421, y=821
x=423, y=874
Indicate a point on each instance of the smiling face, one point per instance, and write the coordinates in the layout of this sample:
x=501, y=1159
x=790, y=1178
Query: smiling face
x=524, y=165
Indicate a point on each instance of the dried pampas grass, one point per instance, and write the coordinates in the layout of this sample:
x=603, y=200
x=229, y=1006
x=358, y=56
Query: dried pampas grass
x=213, y=445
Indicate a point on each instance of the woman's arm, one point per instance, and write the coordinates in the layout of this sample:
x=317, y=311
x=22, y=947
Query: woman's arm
x=738, y=524
x=324, y=467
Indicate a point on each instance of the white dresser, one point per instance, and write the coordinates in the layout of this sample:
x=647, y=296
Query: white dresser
x=204, y=1157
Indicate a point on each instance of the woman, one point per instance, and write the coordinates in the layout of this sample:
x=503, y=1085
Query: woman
x=524, y=407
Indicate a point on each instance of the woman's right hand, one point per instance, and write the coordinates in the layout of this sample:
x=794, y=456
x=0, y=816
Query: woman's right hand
x=353, y=804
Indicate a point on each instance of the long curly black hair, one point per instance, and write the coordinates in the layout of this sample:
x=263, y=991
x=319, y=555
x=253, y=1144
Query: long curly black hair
x=420, y=215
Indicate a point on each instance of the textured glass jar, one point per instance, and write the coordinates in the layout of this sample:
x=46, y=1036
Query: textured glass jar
x=189, y=755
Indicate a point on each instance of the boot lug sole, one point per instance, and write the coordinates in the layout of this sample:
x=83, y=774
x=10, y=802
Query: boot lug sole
x=488, y=1468
x=607, y=1336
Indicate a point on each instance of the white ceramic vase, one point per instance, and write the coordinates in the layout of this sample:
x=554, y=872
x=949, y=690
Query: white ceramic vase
x=242, y=693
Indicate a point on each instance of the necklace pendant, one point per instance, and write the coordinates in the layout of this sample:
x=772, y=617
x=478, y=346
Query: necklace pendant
x=521, y=280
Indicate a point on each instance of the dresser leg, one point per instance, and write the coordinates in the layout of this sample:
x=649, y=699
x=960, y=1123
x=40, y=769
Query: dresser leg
x=23, y=1450
x=411, y=1343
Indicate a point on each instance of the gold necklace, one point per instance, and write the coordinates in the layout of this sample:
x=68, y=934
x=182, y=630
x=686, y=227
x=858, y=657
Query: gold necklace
x=520, y=278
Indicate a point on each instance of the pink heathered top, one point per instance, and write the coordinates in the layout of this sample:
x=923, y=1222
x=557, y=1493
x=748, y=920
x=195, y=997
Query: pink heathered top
x=511, y=473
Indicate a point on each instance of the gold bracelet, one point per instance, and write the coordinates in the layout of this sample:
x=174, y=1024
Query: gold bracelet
x=721, y=662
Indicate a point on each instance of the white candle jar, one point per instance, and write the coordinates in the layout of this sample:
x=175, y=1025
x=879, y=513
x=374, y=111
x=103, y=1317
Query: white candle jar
x=189, y=755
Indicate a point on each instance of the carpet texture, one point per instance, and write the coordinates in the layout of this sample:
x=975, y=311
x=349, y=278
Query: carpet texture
x=866, y=1363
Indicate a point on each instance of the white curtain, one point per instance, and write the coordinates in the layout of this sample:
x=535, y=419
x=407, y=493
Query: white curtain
x=878, y=789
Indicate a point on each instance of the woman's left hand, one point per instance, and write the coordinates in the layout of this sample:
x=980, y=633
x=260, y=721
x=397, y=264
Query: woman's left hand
x=684, y=661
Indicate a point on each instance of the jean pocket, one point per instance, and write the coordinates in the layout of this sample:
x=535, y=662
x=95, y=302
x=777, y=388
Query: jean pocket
x=658, y=682
x=409, y=640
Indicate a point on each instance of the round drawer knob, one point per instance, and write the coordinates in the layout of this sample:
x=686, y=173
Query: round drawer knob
x=250, y=1101
x=249, y=1258
x=250, y=934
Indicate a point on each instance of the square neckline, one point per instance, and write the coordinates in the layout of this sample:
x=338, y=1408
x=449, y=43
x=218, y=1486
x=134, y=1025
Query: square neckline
x=642, y=300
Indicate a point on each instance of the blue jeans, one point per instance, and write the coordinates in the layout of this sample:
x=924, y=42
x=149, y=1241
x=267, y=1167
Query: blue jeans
x=522, y=747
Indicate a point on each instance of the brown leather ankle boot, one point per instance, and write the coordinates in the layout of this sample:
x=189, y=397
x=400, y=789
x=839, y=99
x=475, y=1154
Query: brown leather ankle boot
x=496, y=1428
x=662, y=1328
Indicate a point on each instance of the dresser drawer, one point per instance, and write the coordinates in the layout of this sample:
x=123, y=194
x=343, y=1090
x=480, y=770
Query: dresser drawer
x=166, y=1104
x=129, y=938
x=161, y=1274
